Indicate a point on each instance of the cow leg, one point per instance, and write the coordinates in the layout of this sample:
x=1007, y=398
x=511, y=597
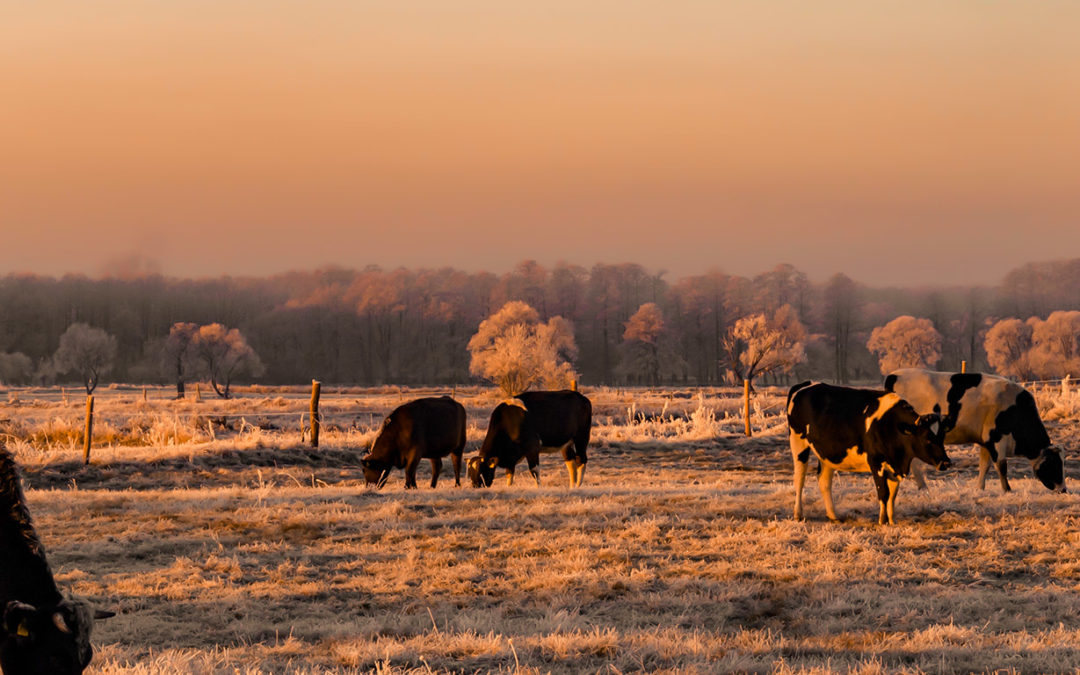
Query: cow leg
x=410, y=473
x=888, y=509
x=800, y=454
x=509, y=476
x=455, y=458
x=570, y=471
x=917, y=474
x=1002, y=466
x=534, y=468
x=824, y=480
x=984, y=466
x=436, y=469
x=579, y=470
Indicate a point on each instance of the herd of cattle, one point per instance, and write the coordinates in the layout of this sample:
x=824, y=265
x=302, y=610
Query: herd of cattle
x=880, y=432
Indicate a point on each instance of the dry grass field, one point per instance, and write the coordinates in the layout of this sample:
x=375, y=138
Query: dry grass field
x=228, y=546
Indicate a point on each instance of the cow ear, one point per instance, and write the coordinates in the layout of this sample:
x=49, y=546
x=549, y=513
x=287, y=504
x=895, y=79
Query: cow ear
x=366, y=462
x=103, y=614
x=492, y=462
x=17, y=618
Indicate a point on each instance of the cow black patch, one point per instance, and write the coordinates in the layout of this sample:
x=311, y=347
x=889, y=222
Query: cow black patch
x=959, y=384
x=890, y=382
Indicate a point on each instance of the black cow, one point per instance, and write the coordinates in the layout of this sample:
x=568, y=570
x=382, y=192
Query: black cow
x=859, y=430
x=990, y=411
x=42, y=631
x=425, y=428
x=532, y=423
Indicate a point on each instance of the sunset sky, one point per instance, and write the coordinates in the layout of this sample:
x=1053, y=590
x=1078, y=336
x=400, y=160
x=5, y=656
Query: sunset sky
x=899, y=142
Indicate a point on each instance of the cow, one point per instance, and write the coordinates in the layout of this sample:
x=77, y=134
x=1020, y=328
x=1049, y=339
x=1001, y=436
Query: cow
x=428, y=428
x=861, y=430
x=532, y=423
x=990, y=411
x=42, y=631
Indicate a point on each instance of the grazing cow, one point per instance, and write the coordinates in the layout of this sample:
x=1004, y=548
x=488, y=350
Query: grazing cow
x=532, y=423
x=859, y=430
x=42, y=631
x=425, y=428
x=990, y=411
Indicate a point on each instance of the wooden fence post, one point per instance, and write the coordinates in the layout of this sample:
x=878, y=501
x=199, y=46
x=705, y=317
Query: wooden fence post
x=963, y=366
x=746, y=405
x=144, y=394
x=198, y=395
x=89, y=433
x=315, y=387
x=573, y=385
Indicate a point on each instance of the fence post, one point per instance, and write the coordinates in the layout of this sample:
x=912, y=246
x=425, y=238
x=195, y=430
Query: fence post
x=63, y=390
x=746, y=405
x=89, y=434
x=198, y=394
x=144, y=394
x=315, y=387
x=573, y=385
x=963, y=366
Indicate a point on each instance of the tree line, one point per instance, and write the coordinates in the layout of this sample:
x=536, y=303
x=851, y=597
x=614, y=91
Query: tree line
x=628, y=325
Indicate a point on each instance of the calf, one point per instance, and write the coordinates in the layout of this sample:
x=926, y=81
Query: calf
x=990, y=411
x=41, y=632
x=858, y=430
x=532, y=423
x=428, y=428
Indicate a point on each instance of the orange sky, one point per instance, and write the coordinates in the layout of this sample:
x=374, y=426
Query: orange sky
x=882, y=139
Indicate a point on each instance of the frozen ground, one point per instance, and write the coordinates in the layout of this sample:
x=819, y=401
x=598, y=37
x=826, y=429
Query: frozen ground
x=227, y=545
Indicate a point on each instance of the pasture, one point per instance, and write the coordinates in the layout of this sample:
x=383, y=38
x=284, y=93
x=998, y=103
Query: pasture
x=227, y=545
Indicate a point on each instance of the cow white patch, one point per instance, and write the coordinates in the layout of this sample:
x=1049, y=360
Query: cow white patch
x=853, y=461
x=514, y=401
x=885, y=403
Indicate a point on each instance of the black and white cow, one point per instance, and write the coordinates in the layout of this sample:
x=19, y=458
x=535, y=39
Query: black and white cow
x=42, y=631
x=858, y=430
x=530, y=424
x=427, y=428
x=990, y=411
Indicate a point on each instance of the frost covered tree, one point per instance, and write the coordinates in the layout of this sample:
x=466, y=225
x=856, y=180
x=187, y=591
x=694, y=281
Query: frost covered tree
x=224, y=354
x=16, y=368
x=177, y=352
x=758, y=345
x=1008, y=347
x=515, y=350
x=1055, y=345
x=646, y=352
x=87, y=351
x=905, y=342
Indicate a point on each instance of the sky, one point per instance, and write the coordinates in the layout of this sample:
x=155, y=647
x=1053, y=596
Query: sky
x=907, y=142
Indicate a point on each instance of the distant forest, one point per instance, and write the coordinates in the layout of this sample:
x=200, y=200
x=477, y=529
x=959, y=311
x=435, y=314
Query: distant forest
x=403, y=326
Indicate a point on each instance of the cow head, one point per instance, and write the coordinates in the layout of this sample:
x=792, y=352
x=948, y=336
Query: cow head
x=375, y=471
x=52, y=640
x=925, y=439
x=1049, y=469
x=482, y=471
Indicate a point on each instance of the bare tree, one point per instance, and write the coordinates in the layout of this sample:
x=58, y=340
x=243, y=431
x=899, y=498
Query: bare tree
x=515, y=350
x=177, y=352
x=1008, y=347
x=224, y=354
x=905, y=342
x=86, y=350
x=841, y=303
x=757, y=345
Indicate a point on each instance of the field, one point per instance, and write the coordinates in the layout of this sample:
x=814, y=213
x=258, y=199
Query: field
x=226, y=544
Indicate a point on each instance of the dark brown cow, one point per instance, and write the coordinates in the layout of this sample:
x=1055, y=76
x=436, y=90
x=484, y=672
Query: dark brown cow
x=530, y=424
x=427, y=428
x=42, y=631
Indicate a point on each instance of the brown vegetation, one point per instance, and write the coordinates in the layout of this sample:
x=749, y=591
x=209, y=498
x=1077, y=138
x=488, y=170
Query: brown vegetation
x=252, y=553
